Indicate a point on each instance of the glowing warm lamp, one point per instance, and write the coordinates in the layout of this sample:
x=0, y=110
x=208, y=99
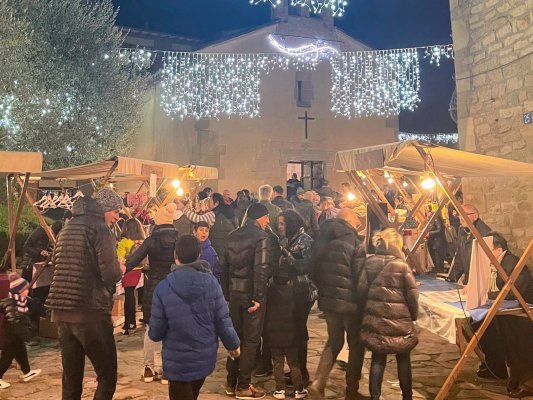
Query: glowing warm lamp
x=428, y=183
x=405, y=184
x=350, y=196
x=112, y=185
x=390, y=180
x=176, y=183
x=179, y=192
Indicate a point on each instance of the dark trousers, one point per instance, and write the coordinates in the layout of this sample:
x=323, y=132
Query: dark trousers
x=264, y=355
x=129, y=306
x=278, y=357
x=15, y=349
x=377, y=369
x=338, y=324
x=301, y=315
x=248, y=327
x=184, y=390
x=438, y=255
x=493, y=346
x=95, y=340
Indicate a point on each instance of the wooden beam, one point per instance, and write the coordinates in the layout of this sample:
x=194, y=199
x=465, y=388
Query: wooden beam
x=450, y=380
x=10, y=219
x=15, y=222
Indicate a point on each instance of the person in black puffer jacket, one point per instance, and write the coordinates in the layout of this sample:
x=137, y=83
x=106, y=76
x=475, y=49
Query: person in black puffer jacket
x=389, y=295
x=295, y=262
x=245, y=275
x=86, y=270
x=338, y=255
x=159, y=248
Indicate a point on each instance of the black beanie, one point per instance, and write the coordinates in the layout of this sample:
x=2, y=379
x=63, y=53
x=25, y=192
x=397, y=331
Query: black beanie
x=256, y=211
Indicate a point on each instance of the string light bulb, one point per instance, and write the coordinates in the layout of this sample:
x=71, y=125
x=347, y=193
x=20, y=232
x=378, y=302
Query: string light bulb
x=176, y=183
x=428, y=183
x=179, y=192
x=350, y=196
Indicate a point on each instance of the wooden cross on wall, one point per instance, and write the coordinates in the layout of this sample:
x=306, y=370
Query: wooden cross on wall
x=306, y=118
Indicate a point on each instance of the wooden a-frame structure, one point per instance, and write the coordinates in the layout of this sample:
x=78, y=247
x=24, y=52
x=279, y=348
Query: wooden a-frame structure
x=414, y=159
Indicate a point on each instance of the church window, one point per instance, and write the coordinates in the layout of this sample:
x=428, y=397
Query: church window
x=304, y=89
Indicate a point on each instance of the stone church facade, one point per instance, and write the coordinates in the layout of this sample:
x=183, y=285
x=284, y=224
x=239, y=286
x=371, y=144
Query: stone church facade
x=494, y=72
x=252, y=151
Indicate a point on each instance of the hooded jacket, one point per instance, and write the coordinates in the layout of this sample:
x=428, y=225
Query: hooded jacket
x=189, y=314
x=208, y=253
x=336, y=264
x=388, y=288
x=306, y=209
x=159, y=247
x=86, y=267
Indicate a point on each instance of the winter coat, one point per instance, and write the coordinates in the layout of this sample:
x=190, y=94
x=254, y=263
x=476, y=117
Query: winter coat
x=159, y=247
x=524, y=282
x=273, y=213
x=279, y=320
x=17, y=324
x=389, y=295
x=338, y=255
x=189, y=314
x=283, y=204
x=437, y=234
x=329, y=213
x=31, y=252
x=208, y=253
x=306, y=209
x=326, y=191
x=246, y=268
x=297, y=266
x=464, y=243
x=223, y=226
x=86, y=267
x=124, y=249
x=240, y=210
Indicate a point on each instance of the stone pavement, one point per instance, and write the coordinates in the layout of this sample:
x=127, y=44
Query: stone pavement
x=431, y=361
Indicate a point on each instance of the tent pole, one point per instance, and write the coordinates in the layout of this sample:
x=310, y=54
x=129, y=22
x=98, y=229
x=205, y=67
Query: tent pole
x=371, y=200
x=15, y=222
x=379, y=193
x=9, y=187
x=416, y=209
x=109, y=173
x=450, y=380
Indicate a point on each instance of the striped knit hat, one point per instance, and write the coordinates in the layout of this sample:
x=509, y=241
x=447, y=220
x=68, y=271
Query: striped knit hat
x=17, y=284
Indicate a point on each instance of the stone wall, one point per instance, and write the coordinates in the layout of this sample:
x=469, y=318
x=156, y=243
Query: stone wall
x=493, y=42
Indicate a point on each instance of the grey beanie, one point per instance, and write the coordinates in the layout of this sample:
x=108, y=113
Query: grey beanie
x=109, y=200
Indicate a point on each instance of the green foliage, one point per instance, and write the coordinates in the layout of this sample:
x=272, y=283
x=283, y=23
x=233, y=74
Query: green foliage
x=28, y=222
x=64, y=90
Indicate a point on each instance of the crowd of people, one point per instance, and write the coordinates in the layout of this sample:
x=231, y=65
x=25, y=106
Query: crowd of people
x=246, y=271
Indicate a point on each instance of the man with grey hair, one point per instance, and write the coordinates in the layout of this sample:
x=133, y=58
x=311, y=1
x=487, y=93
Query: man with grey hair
x=465, y=238
x=265, y=195
x=86, y=270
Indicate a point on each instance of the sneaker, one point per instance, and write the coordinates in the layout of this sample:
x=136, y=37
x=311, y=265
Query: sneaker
x=164, y=379
x=4, y=384
x=229, y=390
x=279, y=394
x=149, y=374
x=300, y=394
x=250, y=393
x=315, y=392
x=30, y=375
x=262, y=372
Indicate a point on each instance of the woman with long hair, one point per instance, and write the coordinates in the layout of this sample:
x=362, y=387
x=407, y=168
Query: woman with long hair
x=389, y=297
x=131, y=238
x=295, y=262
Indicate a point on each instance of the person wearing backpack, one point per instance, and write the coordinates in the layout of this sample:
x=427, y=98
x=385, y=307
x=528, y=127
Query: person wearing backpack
x=389, y=295
x=159, y=248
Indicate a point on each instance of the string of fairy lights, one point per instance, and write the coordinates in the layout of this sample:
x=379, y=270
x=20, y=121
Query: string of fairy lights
x=336, y=7
x=364, y=83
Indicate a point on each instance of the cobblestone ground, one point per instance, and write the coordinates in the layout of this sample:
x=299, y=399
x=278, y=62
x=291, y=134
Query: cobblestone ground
x=432, y=360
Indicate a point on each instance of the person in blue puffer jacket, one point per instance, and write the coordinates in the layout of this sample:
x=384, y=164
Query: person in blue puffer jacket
x=189, y=314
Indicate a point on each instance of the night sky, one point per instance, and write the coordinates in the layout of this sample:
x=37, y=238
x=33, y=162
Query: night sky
x=382, y=24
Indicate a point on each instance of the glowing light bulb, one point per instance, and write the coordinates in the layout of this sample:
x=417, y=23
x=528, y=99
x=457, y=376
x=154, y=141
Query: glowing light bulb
x=179, y=192
x=405, y=184
x=428, y=183
x=176, y=183
x=390, y=180
x=350, y=196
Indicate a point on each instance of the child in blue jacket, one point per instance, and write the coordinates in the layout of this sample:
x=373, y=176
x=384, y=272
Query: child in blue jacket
x=189, y=314
x=207, y=252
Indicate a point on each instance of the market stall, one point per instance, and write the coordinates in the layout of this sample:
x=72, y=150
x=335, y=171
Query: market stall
x=18, y=168
x=444, y=167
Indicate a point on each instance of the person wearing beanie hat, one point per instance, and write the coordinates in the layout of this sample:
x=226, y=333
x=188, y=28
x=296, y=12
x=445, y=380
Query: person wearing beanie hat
x=15, y=308
x=85, y=273
x=111, y=203
x=245, y=274
x=165, y=215
x=159, y=248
